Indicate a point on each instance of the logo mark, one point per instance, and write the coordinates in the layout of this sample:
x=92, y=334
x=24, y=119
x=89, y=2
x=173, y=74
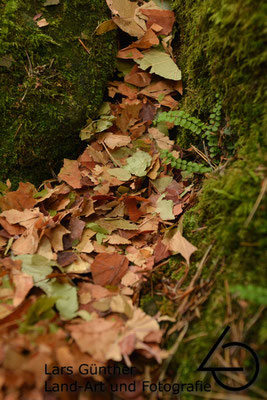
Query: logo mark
x=213, y=370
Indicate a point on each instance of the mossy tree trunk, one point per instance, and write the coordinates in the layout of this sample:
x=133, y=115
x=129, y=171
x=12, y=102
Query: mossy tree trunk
x=52, y=79
x=220, y=49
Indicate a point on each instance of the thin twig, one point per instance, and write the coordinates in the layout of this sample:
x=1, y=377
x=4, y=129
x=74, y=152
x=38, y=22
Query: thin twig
x=206, y=153
x=173, y=351
x=112, y=158
x=254, y=319
x=192, y=283
x=30, y=73
x=202, y=155
x=257, y=203
x=85, y=48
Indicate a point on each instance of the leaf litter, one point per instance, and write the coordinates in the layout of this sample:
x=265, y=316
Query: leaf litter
x=76, y=253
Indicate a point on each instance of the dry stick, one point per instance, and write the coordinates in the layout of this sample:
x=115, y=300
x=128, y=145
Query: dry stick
x=17, y=131
x=252, y=388
x=172, y=353
x=112, y=158
x=30, y=73
x=254, y=319
x=206, y=154
x=202, y=155
x=257, y=203
x=201, y=265
x=85, y=48
x=191, y=286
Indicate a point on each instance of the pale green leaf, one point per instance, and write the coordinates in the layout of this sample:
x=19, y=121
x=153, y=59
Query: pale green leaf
x=38, y=267
x=163, y=4
x=161, y=64
x=66, y=298
x=164, y=208
x=66, y=295
x=113, y=224
x=162, y=183
x=138, y=163
x=84, y=315
x=120, y=173
x=100, y=237
x=96, y=228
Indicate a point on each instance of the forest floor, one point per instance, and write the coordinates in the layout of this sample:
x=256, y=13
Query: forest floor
x=87, y=255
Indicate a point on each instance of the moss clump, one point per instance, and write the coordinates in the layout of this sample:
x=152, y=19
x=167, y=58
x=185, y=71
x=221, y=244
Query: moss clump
x=50, y=83
x=221, y=50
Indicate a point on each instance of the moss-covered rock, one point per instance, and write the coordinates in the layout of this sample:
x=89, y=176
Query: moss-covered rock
x=220, y=49
x=52, y=79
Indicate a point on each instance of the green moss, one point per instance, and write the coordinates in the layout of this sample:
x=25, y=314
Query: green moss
x=53, y=85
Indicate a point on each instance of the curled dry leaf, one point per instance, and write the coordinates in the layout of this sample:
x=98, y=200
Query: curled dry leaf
x=105, y=26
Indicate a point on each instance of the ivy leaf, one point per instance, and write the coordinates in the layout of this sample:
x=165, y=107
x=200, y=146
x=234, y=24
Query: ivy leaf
x=138, y=163
x=161, y=64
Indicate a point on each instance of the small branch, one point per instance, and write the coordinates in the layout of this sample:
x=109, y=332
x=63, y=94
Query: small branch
x=257, y=203
x=85, y=48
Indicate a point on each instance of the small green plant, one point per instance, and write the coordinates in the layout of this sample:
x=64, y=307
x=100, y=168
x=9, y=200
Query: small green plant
x=183, y=165
x=209, y=132
x=212, y=132
x=181, y=118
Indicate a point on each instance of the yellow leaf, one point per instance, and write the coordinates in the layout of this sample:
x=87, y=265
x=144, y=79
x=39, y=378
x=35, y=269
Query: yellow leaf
x=105, y=26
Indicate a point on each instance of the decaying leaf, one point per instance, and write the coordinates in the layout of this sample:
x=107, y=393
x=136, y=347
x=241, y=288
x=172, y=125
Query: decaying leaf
x=163, y=141
x=124, y=12
x=176, y=243
x=163, y=18
x=108, y=269
x=71, y=174
x=42, y=22
x=105, y=26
